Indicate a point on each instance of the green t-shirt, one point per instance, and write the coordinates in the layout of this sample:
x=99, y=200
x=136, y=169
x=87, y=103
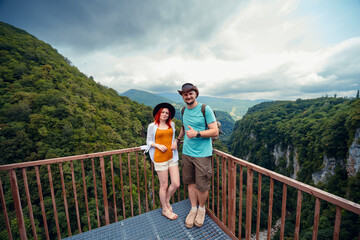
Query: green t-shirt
x=197, y=147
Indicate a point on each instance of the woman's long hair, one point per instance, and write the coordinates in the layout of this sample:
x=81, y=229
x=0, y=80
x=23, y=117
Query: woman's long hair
x=157, y=118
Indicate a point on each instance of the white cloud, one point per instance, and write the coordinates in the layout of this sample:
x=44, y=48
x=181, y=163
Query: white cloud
x=265, y=49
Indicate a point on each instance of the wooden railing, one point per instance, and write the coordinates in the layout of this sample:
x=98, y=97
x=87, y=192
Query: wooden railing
x=120, y=184
x=228, y=171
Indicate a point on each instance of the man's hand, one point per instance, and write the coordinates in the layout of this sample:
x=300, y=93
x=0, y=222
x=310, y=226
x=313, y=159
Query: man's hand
x=191, y=133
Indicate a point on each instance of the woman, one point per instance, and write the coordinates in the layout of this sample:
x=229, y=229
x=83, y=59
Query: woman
x=163, y=152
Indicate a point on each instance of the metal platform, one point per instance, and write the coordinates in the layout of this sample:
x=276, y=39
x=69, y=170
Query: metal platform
x=152, y=225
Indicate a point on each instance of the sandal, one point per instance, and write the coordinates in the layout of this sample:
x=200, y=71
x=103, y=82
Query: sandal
x=170, y=208
x=170, y=215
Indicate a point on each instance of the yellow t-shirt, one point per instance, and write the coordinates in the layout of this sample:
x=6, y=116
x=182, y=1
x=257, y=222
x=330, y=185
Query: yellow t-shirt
x=163, y=137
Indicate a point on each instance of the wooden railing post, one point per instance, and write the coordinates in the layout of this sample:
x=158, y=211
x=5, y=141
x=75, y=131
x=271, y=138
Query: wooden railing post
x=337, y=223
x=28, y=198
x=232, y=196
x=283, y=212
x=249, y=192
x=271, y=193
x=3, y=204
x=316, y=218
x=223, y=200
x=298, y=214
x=75, y=196
x=42, y=202
x=17, y=203
x=103, y=181
x=258, y=207
x=240, y=199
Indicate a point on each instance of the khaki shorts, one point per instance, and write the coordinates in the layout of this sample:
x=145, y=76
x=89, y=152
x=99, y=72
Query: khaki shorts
x=197, y=170
x=163, y=166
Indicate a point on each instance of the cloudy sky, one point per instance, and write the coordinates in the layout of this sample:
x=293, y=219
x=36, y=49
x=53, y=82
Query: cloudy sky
x=246, y=49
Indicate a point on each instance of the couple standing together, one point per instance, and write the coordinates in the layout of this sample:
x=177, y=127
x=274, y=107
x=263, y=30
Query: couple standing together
x=196, y=157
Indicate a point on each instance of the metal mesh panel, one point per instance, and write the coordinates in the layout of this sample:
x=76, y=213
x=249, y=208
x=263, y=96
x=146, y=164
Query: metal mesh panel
x=153, y=225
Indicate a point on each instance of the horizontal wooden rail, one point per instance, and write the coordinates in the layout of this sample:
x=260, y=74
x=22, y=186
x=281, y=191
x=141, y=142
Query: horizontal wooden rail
x=66, y=159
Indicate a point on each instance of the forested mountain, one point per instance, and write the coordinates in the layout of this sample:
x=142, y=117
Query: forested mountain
x=316, y=141
x=235, y=107
x=48, y=108
x=144, y=97
x=150, y=99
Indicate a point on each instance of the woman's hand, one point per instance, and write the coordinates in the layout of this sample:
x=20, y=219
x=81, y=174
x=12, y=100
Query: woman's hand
x=174, y=145
x=162, y=148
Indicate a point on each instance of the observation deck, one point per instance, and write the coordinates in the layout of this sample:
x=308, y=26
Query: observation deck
x=114, y=194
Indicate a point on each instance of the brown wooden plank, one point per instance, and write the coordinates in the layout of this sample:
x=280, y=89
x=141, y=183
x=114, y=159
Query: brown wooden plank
x=105, y=197
x=54, y=202
x=240, y=199
x=283, y=212
x=6, y=217
x=232, y=197
x=122, y=187
x=65, y=199
x=218, y=188
x=258, y=207
x=113, y=186
x=249, y=192
x=17, y=204
x=213, y=185
x=153, y=186
x=66, y=159
x=85, y=194
x=271, y=193
x=331, y=198
x=145, y=185
x=316, y=218
x=28, y=199
x=130, y=185
x=224, y=193
x=42, y=202
x=138, y=183
x=298, y=215
x=95, y=190
x=337, y=223
x=75, y=196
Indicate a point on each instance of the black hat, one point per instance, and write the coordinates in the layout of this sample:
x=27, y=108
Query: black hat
x=187, y=87
x=164, y=105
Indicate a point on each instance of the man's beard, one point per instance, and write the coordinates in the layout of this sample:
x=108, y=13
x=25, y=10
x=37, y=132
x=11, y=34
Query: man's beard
x=190, y=103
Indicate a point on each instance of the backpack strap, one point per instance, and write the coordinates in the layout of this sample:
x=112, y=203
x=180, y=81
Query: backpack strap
x=203, y=112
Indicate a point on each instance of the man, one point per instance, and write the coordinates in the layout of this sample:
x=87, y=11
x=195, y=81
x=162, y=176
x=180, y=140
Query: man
x=197, y=152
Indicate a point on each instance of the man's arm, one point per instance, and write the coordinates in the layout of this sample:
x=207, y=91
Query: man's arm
x=211, y=132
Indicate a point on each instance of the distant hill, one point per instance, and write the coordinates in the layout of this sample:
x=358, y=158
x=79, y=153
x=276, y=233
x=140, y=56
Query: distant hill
x=150, y=99
x=235, y=107
x=144, y=97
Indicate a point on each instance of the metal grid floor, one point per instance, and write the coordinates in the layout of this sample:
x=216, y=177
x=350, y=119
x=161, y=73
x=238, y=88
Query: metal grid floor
x=152, y=225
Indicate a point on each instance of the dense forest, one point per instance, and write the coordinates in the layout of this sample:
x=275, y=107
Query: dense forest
x=48, y=108
x=297, y=139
